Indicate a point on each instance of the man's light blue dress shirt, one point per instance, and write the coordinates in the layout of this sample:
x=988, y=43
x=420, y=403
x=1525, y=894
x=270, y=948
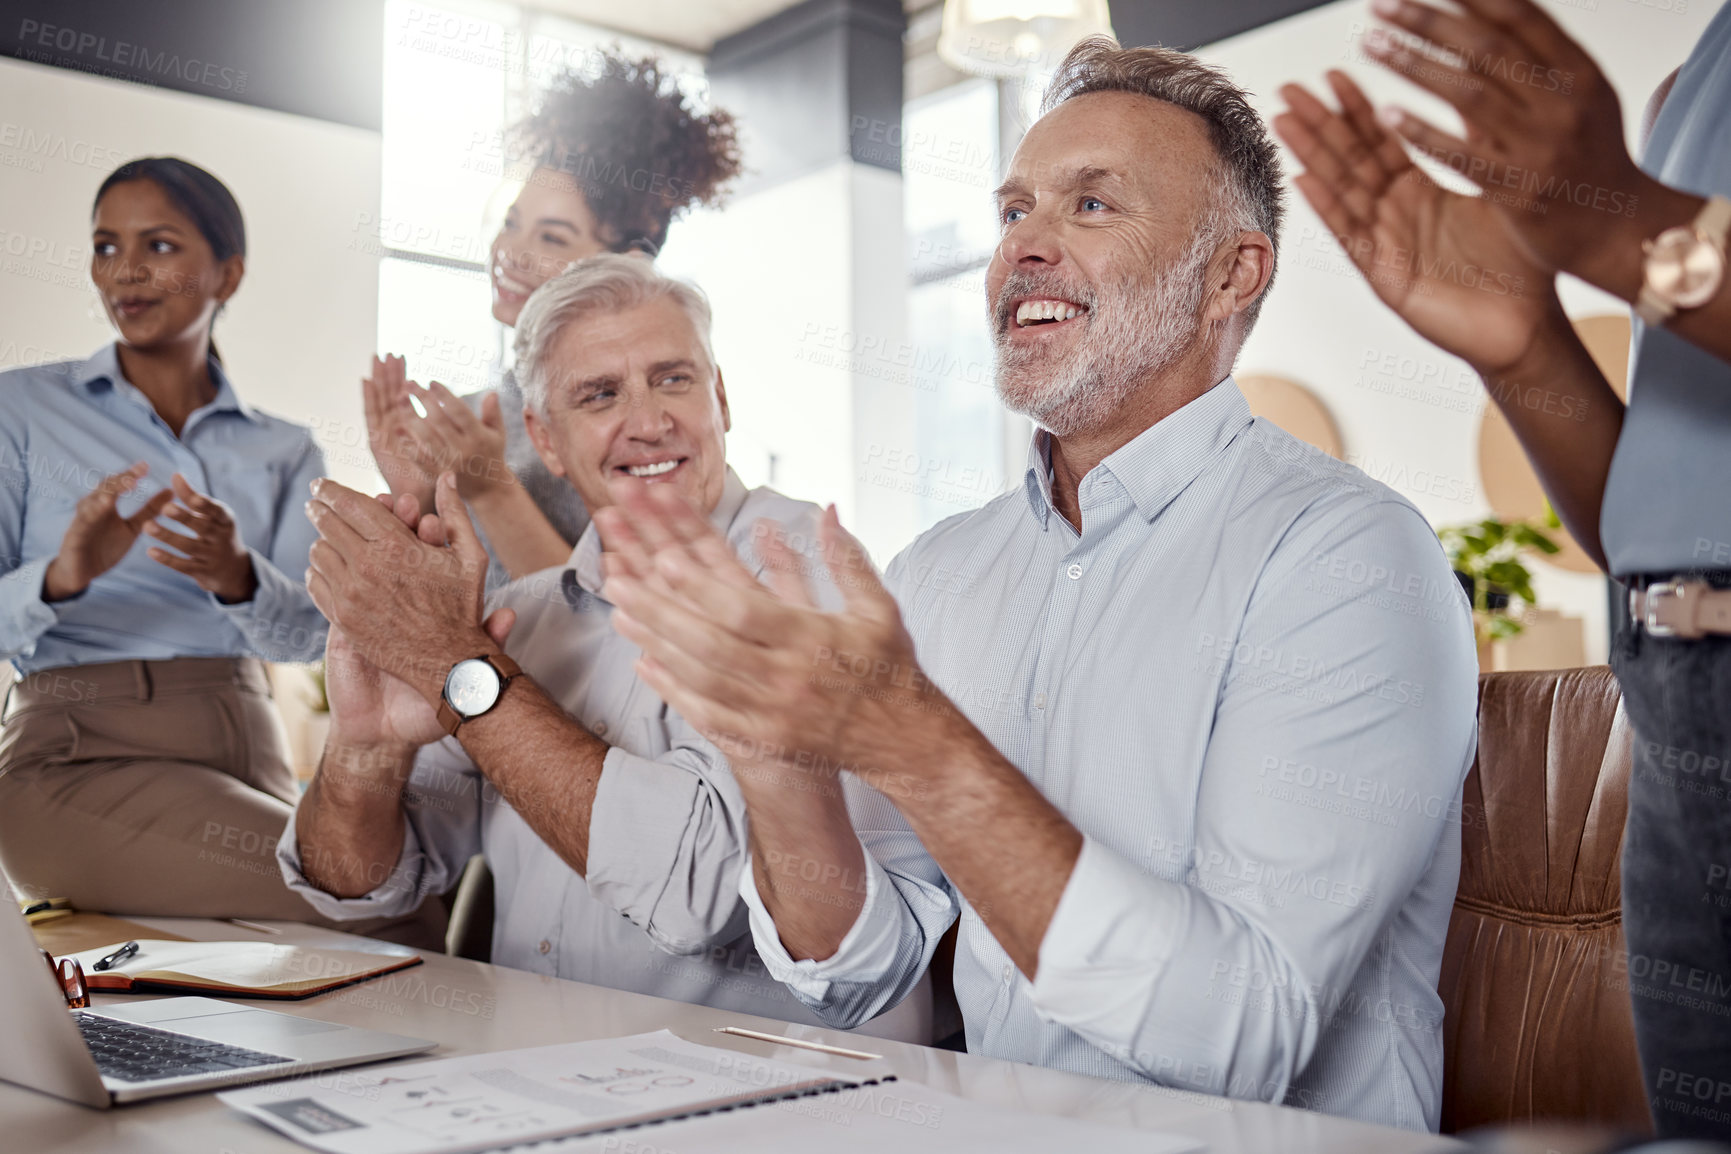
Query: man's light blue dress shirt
x=63, y=428
x=1250, y=682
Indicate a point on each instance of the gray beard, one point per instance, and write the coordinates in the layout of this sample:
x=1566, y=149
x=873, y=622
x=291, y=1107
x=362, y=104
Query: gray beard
x=1136, y=328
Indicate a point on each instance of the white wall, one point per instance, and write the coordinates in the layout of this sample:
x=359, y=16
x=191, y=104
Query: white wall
x=1323, y=327
x=808, y=284
x=297, y=336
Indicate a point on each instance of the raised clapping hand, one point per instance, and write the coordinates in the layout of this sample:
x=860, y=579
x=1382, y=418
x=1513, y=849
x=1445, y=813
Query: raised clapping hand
x=385, y=400
x=210, y=551
x=1445, y=262
x=411, y=450
x=371, y=708
x=787, y=691
x=409, y=602
x=768, y=677
x=1544, y=131
x=451, y=436
x=99, y=536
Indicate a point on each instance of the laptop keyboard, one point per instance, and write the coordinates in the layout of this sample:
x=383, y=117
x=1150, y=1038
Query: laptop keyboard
x=132, y=1053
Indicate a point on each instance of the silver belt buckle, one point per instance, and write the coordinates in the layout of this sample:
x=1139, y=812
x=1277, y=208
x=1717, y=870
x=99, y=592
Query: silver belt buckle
x=1655, y=595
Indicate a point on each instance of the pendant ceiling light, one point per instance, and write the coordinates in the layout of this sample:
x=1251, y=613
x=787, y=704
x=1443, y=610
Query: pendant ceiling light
x=1016, y=37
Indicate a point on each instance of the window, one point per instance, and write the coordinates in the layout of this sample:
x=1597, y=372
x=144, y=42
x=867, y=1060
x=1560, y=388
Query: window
x=458, y=72
x=455, y=76
x=950, y=164
x=444, y=107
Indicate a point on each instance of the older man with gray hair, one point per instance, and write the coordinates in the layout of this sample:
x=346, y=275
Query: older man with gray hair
x=1181, y=735
x=615, y=833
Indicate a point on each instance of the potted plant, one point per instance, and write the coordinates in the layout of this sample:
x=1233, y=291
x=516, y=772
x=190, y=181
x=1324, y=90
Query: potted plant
x=1487, y=556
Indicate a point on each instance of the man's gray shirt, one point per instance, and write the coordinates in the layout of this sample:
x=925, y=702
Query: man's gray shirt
x=660, y=911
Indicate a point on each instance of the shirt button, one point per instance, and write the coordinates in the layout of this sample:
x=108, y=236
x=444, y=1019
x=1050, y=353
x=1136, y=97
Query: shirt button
x=1007, y=972
x=600, y=729
x=1039, y=701
x=1075, y=571
x=545, y=945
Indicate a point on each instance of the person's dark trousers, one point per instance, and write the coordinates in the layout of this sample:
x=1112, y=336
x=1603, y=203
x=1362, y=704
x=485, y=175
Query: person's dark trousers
x=1677, y=875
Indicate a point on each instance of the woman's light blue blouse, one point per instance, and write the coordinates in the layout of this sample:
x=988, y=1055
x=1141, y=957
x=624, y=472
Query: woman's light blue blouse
x=66, y=426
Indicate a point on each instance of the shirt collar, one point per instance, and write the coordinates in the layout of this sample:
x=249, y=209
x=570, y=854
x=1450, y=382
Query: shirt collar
x=104, y=367
x=1158, y=462
x=583, y=571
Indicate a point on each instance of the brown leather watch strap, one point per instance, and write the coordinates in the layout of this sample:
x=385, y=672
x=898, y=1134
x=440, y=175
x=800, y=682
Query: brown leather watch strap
x=449, y=719
x=508, y=671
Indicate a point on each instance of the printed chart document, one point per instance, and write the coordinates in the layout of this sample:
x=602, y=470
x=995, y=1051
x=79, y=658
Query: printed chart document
x=883, y=1118
x=484, y=1101
x=682, y=1096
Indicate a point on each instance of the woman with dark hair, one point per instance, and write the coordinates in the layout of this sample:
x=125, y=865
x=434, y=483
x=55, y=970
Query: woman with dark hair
x=614, y=157
x=142, y=764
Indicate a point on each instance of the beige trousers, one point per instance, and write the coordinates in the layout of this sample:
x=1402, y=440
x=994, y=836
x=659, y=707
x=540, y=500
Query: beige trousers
x=158, y=788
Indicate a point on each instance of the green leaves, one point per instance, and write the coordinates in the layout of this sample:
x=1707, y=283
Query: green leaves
x=1489, y=552
x=1502, y=627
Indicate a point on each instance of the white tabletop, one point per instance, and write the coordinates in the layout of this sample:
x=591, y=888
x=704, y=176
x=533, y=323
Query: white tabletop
x=471, y=1007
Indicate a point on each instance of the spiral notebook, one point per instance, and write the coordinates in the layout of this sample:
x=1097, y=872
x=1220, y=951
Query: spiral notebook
x=672, y=1094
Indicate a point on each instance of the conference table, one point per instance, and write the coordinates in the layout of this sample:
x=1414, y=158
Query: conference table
x=472, y=1007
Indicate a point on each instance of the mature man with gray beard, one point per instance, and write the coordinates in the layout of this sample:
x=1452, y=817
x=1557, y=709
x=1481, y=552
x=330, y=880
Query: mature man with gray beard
x=1177, y=729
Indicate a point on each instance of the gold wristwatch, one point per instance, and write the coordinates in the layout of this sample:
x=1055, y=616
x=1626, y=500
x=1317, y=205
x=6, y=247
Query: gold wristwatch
x=1685, y=265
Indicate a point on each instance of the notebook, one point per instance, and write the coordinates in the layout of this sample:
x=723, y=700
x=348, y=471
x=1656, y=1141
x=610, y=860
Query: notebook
x=235, y=969
x=672, y=1094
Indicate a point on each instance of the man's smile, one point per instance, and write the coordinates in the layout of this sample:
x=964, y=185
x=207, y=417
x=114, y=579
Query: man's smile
x=651, y=469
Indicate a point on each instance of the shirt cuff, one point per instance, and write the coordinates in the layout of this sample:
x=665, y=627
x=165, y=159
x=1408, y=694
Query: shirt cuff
x=1108, y=944
x=868, y=951
x=397, y=895
x=34, y=615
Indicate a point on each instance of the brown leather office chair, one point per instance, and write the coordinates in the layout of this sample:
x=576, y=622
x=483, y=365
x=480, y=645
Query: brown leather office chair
x=1534, y=979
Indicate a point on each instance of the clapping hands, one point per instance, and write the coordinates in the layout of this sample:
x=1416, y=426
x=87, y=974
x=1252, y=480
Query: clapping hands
x=1447, y=263
x=210, y=550
x=411, y=449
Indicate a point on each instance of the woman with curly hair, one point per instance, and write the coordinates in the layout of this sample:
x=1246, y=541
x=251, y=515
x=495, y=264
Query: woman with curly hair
x=614, y=156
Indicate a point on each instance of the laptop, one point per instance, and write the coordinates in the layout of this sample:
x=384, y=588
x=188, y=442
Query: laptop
x=113, y=1054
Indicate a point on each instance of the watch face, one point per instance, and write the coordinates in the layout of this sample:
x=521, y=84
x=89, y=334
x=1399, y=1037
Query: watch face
x=472, y=687
x=1684, y=269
